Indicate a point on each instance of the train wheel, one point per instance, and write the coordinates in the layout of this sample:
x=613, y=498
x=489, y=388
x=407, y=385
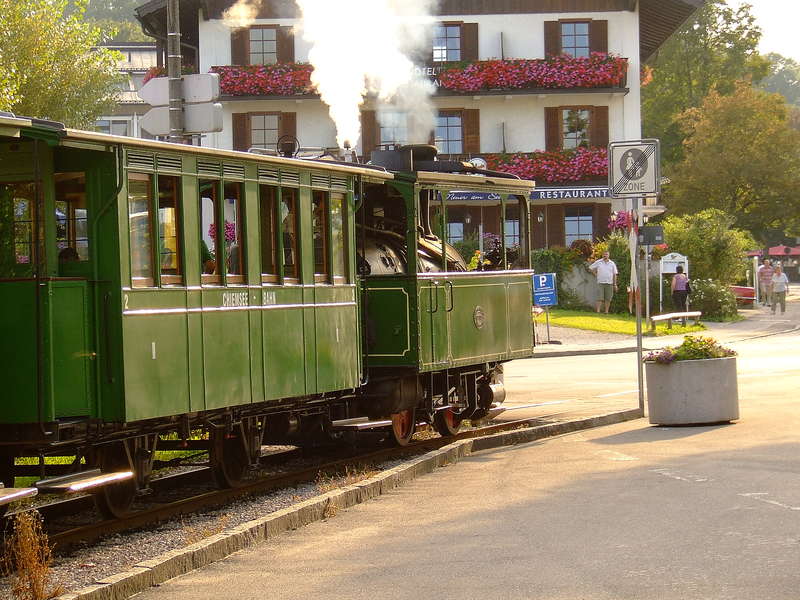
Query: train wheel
x=404, y=424
x=446, y=422
x=114, y=501
x=228, y=458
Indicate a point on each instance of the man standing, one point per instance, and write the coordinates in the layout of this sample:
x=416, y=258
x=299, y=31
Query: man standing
x=606, y=272
x=765, y=272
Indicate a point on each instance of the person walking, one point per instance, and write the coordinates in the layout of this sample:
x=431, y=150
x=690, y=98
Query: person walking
x=606, y=272
x=780, y=287
x=680, y=291
x=765, y=272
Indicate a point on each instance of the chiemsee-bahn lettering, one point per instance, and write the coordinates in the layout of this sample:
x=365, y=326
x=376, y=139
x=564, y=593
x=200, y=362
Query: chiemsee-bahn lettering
x=230, y=299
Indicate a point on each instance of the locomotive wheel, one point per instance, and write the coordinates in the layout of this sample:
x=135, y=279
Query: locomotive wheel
x=114, y=501
x=228, y=459
x=404, y=424
x=446, y=422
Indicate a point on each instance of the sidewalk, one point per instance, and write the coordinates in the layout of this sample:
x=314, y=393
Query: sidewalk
x=758, y=321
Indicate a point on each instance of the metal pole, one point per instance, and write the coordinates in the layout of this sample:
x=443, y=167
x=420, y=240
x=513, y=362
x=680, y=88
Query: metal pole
x=547, y=320
x=638, y=299
x=647, y=284
x=174, y=60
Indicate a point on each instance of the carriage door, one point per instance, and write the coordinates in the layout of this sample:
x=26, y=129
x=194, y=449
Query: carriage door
x=70, y=309
x=433, y=289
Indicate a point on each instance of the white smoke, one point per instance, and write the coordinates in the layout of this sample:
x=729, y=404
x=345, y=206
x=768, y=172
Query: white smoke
x=361, y=47
x=241, y=14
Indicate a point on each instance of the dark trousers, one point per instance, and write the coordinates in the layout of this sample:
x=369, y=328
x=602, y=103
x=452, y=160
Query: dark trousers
x=679, y=298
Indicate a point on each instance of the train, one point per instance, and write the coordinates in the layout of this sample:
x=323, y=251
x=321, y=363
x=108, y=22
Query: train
x=157, y=295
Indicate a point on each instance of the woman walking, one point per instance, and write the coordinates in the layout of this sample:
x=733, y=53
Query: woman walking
x=680, y=291
x=780, y=287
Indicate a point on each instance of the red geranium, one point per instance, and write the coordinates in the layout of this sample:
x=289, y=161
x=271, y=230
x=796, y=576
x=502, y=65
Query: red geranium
x=554, y=167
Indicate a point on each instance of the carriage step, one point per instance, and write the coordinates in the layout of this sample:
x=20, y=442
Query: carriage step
x=78, y=482
x=359, y=423
x=9, y=495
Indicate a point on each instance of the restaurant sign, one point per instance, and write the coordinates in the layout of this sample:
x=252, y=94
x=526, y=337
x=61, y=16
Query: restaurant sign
x=584, y=193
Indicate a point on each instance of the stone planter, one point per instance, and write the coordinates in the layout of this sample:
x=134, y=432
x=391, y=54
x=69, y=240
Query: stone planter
x=692, y=392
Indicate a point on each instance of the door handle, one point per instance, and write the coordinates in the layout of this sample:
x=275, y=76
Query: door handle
x=435, y=290
x=452, y=298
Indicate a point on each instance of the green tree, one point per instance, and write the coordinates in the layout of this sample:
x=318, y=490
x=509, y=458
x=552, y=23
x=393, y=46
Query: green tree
x=783, y=79
x=121, y=31
x=49, y=54
x=714, y=49
x=716, y=249
x=741, y=157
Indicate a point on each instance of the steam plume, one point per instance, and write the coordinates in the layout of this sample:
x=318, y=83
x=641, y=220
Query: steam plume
x=241, y=14
x=367, y=46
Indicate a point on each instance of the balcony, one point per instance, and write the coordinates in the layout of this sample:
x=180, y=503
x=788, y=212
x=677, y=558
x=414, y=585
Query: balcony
x=583, y=165
x=528, y=76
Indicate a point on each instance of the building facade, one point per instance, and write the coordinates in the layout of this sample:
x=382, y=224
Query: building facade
x=534, y=87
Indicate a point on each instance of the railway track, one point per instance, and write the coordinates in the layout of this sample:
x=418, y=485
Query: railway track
x=159, y=508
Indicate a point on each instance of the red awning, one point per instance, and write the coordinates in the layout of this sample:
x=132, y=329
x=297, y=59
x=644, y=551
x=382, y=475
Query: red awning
x=754, y=253
x=784, y=251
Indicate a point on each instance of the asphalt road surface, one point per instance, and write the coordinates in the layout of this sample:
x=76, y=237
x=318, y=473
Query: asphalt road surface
x=625, y=511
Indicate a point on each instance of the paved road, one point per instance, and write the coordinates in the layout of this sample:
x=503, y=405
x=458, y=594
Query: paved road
x=626, y=511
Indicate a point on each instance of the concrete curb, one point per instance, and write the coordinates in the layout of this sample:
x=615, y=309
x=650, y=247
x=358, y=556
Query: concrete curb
x=184, y=560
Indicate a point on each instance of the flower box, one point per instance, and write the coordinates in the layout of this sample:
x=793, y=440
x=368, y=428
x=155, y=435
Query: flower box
x=692, y=392
x=566, y=166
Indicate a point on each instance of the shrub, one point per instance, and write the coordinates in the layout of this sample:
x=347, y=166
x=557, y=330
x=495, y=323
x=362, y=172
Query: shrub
x=555, y=259
x=582, y=248
x=692, y=348
x=617, y=246
x=712, y=298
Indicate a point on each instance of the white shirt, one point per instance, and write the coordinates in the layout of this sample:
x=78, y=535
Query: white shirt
x=779, y=282
x=605, y=270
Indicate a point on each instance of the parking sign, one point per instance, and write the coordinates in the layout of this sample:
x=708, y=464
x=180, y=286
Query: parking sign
x=544, y=289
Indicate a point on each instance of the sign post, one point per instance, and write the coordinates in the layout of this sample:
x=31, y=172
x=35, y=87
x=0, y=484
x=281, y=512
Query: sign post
x=545, y=295
x=668, y=266
x=634, y=171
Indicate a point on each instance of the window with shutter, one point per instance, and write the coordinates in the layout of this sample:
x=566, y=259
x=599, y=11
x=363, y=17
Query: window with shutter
x=449, y=132
x=447, y=42
x=263, y=45
x=575, y=38
x=264, y=130
x=571, y=127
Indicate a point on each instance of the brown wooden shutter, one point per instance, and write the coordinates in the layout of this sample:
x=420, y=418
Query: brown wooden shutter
x=599, y=126
x=469, y=42
x=241, y=131
x=369, y=133
x=555, y=225
x=539, y=230
x=598, y=36
x=552, y=129
x=285, y=44
x=240, y=46
x=602, y=212
x=552, y=38
x=287, y=124
x=472, y=131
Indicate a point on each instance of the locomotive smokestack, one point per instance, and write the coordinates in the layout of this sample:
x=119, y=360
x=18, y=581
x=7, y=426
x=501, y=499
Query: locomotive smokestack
x=349, y=153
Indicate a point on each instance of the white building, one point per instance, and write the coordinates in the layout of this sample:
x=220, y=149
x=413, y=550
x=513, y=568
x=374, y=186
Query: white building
x=580, y=89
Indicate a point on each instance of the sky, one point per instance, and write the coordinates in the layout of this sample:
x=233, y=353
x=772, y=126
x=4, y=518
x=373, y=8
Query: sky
x=778, y=22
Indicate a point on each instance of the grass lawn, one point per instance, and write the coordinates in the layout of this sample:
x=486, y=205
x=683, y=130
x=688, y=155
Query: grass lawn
x=612, y=323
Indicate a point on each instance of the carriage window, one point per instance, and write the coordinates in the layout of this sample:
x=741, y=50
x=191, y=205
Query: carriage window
x=289, y=231
x=319, y=226
x=209, y=201
x=338, y=236
x=16, y=229
x=169, y=245
x=232, y=240
x=268, y=231
x=516, y=227
x=140, y=190
x=72, y=237
x=476, y=229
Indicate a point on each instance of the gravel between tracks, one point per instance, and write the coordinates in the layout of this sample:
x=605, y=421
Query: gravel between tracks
x=119, y=552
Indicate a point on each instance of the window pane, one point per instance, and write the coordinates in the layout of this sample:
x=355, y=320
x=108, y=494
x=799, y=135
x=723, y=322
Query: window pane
x=319, y=225
x=208, y=226
x=263, y=130
x=338, y=230
x=581, y=28
x=71, y=217
x=289, y=230
x=16, y=229
x=268, y=200
x=139, y=220
x=169, y=225
x=234, y=249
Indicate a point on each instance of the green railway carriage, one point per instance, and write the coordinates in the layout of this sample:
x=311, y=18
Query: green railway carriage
x=149, y=288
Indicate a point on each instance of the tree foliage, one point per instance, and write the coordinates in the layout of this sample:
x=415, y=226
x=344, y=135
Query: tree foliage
x=716, y=249
x=783, y=78
x=115, y=18
x=47, y=55
x=713, y=50
x=742, y=157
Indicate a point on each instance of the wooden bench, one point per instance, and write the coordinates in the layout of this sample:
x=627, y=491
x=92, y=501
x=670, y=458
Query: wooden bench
x=669, y=317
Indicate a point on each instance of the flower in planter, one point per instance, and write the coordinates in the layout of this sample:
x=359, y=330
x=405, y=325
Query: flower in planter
x=692, y=348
